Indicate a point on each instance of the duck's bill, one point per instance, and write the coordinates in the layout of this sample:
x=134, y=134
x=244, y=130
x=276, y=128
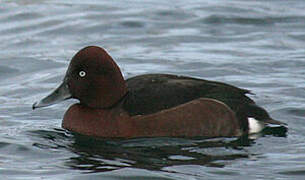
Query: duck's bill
x=58, y=95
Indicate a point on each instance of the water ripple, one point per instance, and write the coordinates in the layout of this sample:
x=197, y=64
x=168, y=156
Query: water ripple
x=257, y=45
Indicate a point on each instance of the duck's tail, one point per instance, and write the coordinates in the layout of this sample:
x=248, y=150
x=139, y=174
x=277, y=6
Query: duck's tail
x=271, y=121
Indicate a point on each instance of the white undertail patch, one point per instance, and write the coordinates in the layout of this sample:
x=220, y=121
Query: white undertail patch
x=255, y=126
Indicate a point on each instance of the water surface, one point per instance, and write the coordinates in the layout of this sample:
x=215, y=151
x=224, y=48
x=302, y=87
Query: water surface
x=257, y=45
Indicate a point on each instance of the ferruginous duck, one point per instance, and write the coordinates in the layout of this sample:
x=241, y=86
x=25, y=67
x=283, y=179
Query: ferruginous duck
x=151, y=105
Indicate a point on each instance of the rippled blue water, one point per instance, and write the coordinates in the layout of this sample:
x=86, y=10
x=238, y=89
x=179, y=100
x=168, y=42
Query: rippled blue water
x=258, y=45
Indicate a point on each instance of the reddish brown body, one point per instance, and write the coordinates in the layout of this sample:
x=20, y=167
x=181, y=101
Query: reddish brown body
x=195, y=118
x=149, y=105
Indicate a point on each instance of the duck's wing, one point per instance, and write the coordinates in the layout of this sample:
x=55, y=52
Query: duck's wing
x=201, y=117
x=151, y=93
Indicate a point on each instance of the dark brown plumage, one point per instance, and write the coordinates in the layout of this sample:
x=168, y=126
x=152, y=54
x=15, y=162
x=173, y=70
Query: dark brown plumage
x=151, y=93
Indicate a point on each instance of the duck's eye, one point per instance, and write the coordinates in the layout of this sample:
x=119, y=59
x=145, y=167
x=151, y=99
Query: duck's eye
x=82, y=73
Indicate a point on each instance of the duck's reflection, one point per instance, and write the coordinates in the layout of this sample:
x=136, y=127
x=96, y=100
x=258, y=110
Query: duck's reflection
x=98, y=155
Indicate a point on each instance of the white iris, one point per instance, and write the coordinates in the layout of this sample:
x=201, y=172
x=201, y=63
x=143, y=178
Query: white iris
x=82, y=73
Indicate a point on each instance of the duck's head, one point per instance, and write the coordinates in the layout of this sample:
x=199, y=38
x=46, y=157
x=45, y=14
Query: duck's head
x=93, y=78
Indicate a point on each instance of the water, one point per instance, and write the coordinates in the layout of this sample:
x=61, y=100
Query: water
x=258, y=45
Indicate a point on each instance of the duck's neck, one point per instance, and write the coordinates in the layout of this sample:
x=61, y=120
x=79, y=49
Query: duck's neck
x=106, y=93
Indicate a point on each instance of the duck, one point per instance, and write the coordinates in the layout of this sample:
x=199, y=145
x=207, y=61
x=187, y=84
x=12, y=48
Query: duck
x=151, y=105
